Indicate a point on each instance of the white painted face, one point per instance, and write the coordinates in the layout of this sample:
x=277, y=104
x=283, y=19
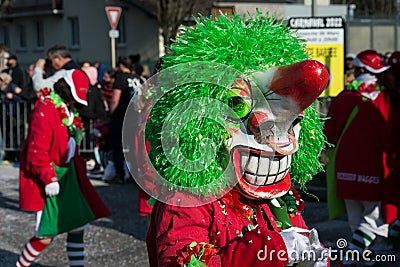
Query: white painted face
x=261, y=148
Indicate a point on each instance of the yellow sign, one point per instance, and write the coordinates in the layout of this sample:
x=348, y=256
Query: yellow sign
x=324, y=37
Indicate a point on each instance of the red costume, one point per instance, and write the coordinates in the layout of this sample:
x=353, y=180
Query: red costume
x=222, y=223
x=362, y=171
x=224, y=127
x=46, y=144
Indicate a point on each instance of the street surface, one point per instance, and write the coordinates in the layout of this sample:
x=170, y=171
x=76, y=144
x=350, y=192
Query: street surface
x=117, y=240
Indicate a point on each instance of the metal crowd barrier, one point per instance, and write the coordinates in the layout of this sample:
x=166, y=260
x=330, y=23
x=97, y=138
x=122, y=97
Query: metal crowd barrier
x=14, y=127
x=15, y=120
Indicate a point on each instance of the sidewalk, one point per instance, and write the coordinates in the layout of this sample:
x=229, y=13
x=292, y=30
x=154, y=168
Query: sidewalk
x=114, y=241
x=117, y=240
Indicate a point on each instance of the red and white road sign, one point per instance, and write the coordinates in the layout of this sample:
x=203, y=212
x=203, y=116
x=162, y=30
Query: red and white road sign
x=113, y=14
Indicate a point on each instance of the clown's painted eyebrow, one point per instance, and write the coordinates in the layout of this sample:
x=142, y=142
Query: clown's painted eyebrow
x=298, y=119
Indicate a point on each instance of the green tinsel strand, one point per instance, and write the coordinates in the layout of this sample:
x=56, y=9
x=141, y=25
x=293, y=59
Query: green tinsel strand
x=312, y=140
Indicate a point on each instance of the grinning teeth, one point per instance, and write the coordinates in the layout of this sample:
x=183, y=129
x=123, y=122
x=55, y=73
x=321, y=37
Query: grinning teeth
x=262, y=180
x=262, y=170
x=255, y=180
x=252, y=165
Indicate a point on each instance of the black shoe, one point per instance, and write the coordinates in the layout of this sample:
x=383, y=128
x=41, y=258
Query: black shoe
x=130, y=180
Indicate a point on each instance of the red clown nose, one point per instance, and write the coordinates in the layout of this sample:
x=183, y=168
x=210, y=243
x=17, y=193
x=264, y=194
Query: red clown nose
x=303, y=82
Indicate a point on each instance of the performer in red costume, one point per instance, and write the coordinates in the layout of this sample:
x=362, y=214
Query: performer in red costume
x=241, y=91
x=358, y=127
x=55, y=129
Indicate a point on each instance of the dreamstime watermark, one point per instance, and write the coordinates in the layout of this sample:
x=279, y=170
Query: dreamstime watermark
x=323, y=254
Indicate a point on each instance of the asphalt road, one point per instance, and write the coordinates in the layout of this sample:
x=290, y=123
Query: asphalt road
x=117, y=240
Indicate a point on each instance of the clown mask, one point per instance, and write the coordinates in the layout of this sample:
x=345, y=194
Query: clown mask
x=270, y=109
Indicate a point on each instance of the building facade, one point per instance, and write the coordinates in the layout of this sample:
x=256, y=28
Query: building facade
x=29, y=28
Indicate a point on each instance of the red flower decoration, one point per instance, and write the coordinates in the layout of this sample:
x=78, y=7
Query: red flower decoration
x=77, y=122
x=45, y=92
x=202, y=252
x=367, y=89
x=62, y=112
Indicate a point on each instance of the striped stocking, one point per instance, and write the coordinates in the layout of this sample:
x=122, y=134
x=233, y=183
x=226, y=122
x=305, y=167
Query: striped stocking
x=31, y=250
x=76, y=249
x=361, y=239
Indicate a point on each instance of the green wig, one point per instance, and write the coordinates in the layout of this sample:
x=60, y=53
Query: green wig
x=245, y=44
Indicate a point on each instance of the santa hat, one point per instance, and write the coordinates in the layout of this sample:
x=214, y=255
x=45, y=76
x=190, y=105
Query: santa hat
x=371, y=61
x=79, y=84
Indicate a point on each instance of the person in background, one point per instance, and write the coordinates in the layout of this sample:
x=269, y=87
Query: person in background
x=94, y=112
x=138, y=70
x=392, y=183
x=101, y=69
x=355, y=115
x=386, y=57
x=84, y=65
x=60, y=59
x=3, y=57
x=9, y=90
x=38, y=178
x=28, y=92
x=95, y=109
x=13, y=69
x=107, y=86
x=349, y=68
x=125, y=86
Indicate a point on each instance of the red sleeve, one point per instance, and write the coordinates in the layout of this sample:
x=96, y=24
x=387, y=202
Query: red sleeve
x=39, y=142
x=258, y=248
x=173, y=228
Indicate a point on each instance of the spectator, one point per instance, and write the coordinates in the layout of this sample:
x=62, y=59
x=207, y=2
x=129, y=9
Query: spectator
x=40, y=80
x=391, y=81
x=95, y=109
x=84, y=65
x=3, y=57
x=10, y=91
x=107, y=86
x=28, y=92
x=386, y=57
x=101, y=69
x=94, y=112
x=13, y=69
x=349, y=69
x=138, y=70
x=125, y=86
x=60, y=59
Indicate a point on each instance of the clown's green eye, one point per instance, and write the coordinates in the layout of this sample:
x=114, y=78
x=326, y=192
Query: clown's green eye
x=241, y=106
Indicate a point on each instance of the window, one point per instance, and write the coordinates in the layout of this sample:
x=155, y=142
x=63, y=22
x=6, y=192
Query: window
x=74, y=31
x=39, y=34
x=22, y=36
x=4, y=36
x=121, y=40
